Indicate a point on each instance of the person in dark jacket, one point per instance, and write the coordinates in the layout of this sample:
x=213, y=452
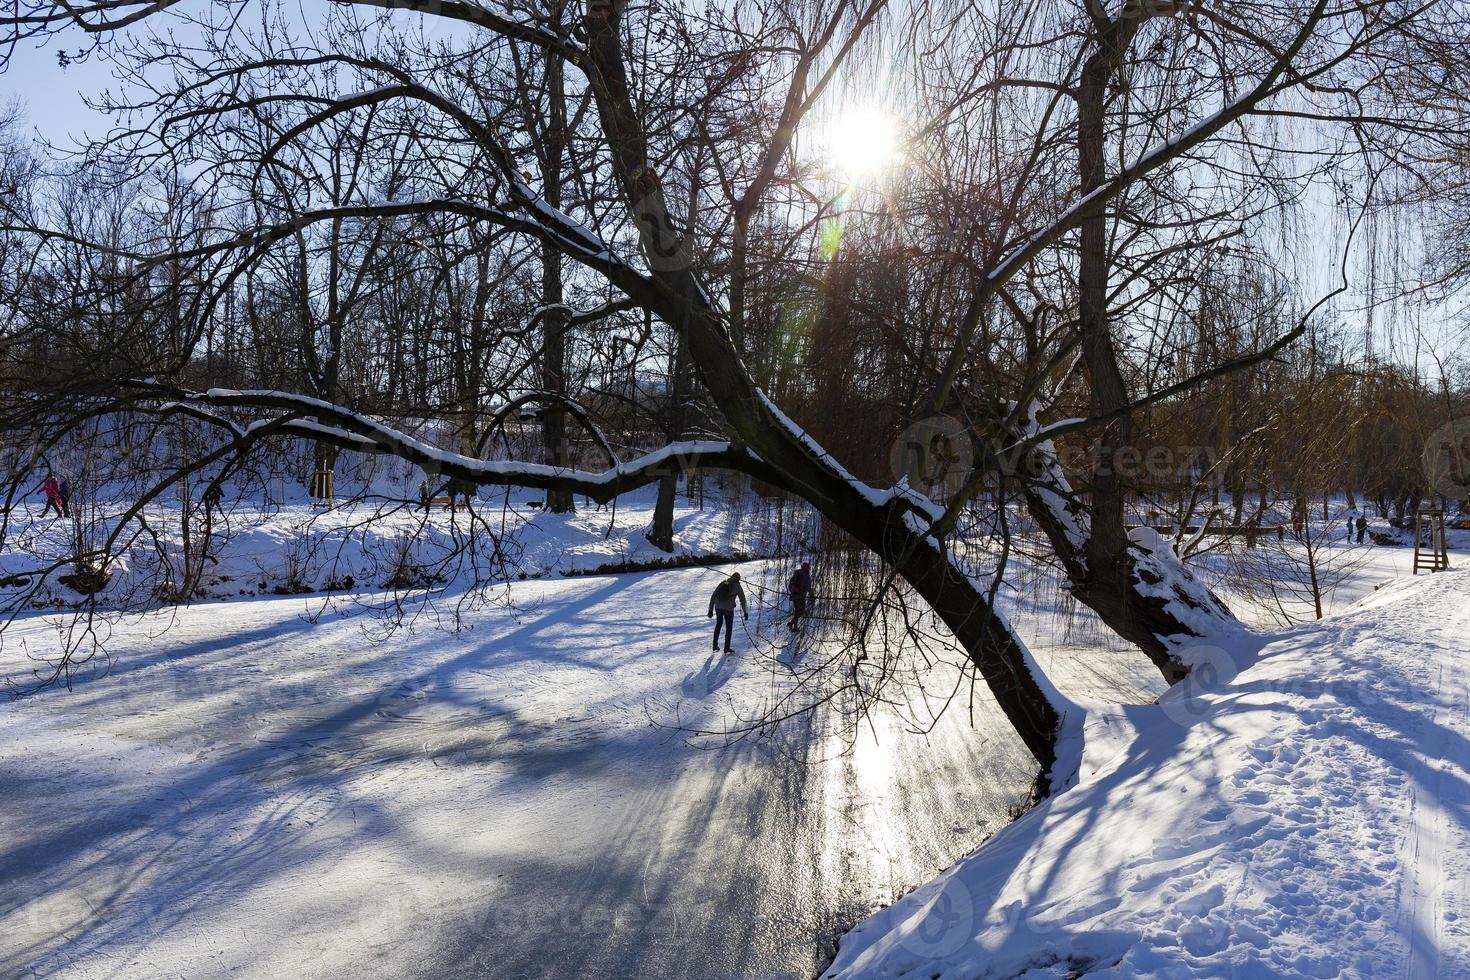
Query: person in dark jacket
x=800, y=590
x=1362, y=524
x=63, y=489
x=722, y=601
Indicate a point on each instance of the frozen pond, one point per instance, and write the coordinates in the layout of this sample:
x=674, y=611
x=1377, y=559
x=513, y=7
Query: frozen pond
x=252, y=794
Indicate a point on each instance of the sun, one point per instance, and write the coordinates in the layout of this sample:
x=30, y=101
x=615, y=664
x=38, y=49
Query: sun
x=862, y=143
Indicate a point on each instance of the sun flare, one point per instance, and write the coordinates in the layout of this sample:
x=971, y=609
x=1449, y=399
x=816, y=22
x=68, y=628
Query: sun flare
x=861, y=143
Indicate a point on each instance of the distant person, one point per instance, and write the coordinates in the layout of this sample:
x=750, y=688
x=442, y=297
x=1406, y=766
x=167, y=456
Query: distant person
x=426, y=495
x=1352, y=522
x=722, y=602
x=1362, y=525
x=52, y=490
x=64, y=489
x=800, y=590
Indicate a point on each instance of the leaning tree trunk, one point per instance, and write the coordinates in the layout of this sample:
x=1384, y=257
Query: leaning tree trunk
x=785, y=453
x=897, y=533
x=893, y=528
x=1029, y=701
x=1144, y=593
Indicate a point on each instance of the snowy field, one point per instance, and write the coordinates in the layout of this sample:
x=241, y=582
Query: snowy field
x=265, y=786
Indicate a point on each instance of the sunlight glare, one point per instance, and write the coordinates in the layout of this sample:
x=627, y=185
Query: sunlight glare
x=862, y=143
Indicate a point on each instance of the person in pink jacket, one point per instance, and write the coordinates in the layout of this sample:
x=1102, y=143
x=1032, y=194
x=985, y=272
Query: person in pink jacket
x=52, y=490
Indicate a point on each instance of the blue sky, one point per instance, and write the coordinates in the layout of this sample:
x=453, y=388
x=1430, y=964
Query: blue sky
x=52, y=96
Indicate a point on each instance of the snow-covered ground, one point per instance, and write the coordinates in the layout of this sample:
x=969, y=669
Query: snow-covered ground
x=1304, y=811
x=263, y=549
x=251, y=793
x=278, y=786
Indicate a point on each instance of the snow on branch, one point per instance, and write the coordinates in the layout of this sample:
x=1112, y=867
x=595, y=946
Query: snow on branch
x=318, y=419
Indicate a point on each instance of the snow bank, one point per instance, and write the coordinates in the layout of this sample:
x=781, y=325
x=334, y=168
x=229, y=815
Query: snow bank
x=290, y=548
x=1298, y=810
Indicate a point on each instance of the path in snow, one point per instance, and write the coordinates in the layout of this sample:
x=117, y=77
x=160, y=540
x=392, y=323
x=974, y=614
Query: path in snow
x=248, y=793
x=1433, y=830
x=1308, y=817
